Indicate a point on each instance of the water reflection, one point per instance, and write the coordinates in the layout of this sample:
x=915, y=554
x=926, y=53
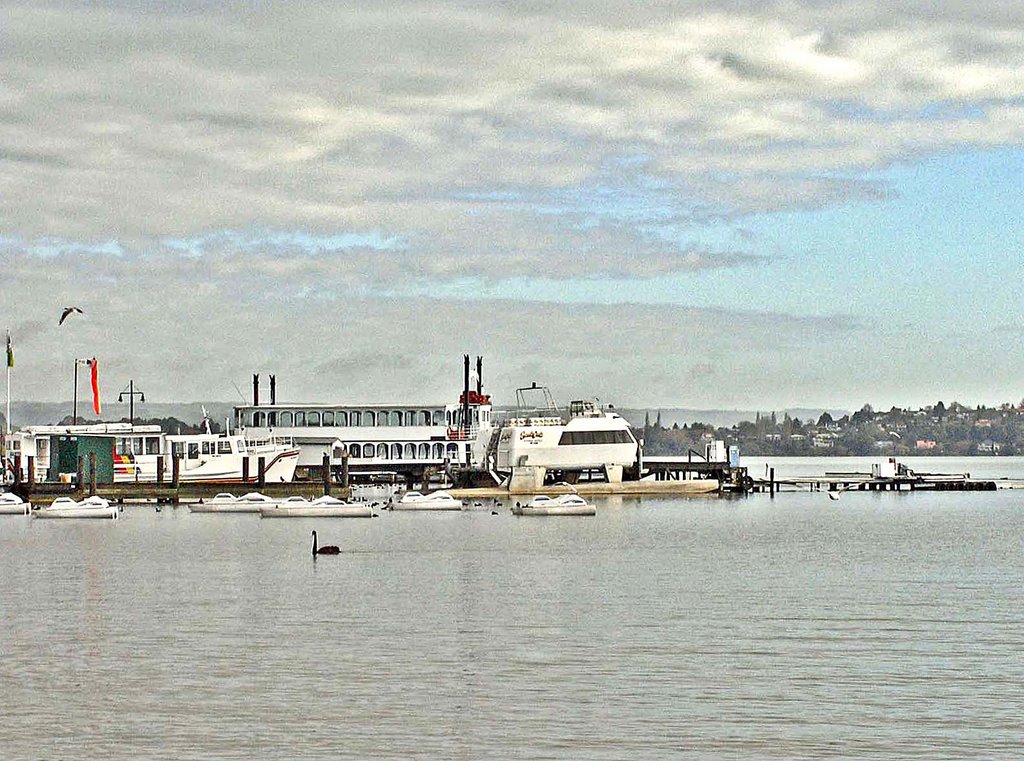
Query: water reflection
x=883, y=625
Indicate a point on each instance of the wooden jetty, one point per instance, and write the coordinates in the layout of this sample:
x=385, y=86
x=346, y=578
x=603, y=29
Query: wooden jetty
x=173, y=490
x=903, y=481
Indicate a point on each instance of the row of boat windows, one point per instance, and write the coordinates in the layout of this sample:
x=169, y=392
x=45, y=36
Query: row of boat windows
x=301, y=419
x=596, y=437
x=311, y=418
x=137, y=445
x=195, y=448
x=409, y=451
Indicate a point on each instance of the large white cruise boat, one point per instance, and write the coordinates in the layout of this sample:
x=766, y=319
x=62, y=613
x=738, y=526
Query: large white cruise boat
x=377, y=439
x=589, y=439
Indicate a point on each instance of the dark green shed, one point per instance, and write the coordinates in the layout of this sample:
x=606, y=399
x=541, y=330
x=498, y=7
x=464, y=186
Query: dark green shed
x=67, y=449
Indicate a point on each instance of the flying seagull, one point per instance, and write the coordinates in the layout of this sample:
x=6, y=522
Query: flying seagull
x=66, y=312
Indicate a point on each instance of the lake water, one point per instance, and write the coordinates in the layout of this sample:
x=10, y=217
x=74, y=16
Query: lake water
x=882, y=625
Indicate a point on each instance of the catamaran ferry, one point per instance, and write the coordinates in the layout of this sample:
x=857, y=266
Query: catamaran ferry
x=589, y=440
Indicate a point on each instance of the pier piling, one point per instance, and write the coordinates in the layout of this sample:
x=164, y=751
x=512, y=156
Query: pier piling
x=31, y=472
x=175, y=470
x=261, y=464
x=771, y=482
x=92, y=474
x=327, y=474
x=160, y=469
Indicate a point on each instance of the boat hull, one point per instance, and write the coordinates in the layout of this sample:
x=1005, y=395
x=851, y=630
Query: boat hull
x=427, y=505
x=209, y=508
x=346, y=511
x=555, y=510
x=77, y=512
x=14, y=509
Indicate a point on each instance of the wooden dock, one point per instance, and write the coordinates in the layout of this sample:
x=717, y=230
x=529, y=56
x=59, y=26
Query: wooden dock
x=842, y=482
x=174, y=490
x=44, y=493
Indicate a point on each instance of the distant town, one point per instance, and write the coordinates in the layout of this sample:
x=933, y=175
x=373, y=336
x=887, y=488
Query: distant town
x=940, y=429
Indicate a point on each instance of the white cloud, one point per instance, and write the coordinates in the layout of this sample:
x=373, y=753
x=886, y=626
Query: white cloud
x=155, y=123
x=296, y=153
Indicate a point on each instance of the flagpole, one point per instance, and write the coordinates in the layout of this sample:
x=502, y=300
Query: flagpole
x=9, y=363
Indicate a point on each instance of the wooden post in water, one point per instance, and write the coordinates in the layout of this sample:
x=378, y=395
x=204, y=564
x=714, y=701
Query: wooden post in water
x=245, y=467
x=80, y=474
x=262, y=465
x=159, y=468
x=327, y=474
x=344, y=469
x=92, y=474
x=31, y=473
x=771, y=482
x=175, y=470
x=17, y=469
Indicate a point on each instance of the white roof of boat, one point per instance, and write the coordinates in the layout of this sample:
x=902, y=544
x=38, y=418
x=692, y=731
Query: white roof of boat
x=98, y=429
x=288, y=406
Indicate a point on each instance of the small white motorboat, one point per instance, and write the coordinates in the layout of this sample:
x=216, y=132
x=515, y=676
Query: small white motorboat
x=65, y=507
x=229, y=503
x=12, y=504
x=321, y=507
x=438, y=500
x=565, y=504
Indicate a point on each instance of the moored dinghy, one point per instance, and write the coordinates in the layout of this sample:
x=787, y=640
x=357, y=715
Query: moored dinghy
x=12, y=504
x=321, y=507
x=65, y=507
x=229, y=503
x=438, y=500
x=566, y=504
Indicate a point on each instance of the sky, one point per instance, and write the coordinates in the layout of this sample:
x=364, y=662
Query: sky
x=664, y=204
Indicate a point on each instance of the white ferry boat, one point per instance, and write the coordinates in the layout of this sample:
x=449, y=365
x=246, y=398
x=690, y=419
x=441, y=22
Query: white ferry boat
x=129, y=453
x=589, y=438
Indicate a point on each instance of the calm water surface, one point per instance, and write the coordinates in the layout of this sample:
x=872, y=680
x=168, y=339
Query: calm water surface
x=879, y=625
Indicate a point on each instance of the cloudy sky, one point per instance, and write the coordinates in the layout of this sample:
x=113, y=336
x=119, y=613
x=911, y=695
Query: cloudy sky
x=666, y=203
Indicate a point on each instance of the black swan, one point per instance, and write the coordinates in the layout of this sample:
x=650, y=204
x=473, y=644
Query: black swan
x=329, y=549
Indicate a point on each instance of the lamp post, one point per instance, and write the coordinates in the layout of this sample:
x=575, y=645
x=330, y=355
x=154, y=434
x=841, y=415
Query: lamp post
x=131, y=393
x=74, y=404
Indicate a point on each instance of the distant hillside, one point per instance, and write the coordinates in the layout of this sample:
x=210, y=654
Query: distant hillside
x=47, y=413
x=720, y=418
